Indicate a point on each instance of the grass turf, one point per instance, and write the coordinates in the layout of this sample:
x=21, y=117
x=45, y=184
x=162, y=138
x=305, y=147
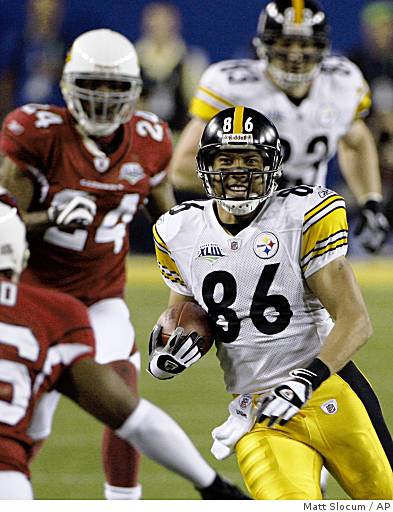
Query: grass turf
x=69, y=466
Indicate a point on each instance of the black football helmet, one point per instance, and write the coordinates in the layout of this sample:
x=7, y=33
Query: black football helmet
x=246, y=131
x=286, y=21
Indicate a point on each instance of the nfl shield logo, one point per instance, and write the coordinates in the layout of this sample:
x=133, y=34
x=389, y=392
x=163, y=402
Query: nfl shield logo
x=101, y=163
x=234, y=244
x=330, y=407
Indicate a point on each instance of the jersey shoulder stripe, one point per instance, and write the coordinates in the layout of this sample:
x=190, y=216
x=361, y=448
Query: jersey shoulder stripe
x=166, y=263
x=320, y=210
x=364, y=105
x=325, y=231
x=206, y=103
x=339, y=239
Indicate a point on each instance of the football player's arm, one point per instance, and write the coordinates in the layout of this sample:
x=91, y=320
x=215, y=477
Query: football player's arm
x=182, y=167
x=114, y=402
x=21, y=187
x=102, y=392
x=358, y=160
x=338, y=290
x=161, y=199
x=359, y=164
x=175, y=298
x=78, y=210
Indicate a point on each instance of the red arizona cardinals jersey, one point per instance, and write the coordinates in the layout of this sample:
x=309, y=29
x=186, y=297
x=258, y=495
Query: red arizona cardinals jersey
x=42, y=333
x=43, y=141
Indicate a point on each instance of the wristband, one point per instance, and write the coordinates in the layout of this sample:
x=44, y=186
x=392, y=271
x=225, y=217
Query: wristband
x=321, y=372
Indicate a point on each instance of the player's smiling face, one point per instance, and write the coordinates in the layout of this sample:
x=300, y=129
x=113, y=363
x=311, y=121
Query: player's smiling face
x=237, y=176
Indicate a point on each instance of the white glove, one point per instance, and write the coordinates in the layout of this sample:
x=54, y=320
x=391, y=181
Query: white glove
x=287, y=398
x=78, y=209
x=242, y=416
x=180, y=352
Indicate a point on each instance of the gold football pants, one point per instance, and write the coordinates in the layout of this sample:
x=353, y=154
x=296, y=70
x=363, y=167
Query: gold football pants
x=341, y=427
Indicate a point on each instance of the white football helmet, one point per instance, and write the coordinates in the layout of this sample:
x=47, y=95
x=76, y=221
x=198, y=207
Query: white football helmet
x=13, y=246
x=101, y=81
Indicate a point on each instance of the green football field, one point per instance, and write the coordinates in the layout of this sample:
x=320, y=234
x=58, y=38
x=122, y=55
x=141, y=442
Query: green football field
x=69, y=466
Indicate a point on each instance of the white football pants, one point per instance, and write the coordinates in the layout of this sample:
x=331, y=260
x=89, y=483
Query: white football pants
x=115, y=338
x=15, y=486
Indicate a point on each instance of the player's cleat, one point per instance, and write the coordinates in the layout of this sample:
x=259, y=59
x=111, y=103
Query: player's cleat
x=221, y=489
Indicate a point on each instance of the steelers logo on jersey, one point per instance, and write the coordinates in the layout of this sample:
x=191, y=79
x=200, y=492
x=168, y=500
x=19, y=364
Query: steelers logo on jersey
x=265, y=245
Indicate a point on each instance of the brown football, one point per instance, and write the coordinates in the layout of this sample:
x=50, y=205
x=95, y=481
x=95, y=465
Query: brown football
x=191, y=317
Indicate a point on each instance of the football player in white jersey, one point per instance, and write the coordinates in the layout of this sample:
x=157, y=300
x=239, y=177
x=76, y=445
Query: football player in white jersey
x=270, y=269
x=316, y=101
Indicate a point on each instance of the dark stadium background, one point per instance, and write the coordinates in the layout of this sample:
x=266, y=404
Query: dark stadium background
x=220, y=26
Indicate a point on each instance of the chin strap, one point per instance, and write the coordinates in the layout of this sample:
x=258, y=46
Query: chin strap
x=240, y=207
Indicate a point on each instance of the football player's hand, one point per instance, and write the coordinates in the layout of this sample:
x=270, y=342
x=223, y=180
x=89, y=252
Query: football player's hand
x=373, y=227
x=180, y=352
x=242, y=416
x=78, y=209
x=286, y=399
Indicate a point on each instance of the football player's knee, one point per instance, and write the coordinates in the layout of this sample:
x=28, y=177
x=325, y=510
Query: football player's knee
x=127, y=372
x=269, y=479
x=281, y=489
x=379, y=486
x=288, y=494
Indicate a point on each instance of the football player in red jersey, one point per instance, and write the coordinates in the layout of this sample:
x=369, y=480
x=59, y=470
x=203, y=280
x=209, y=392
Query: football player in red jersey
x=47, y=343
x=79, y=174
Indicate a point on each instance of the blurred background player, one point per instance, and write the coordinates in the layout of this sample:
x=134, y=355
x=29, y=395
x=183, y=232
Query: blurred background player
x=47, y=343
x=316, y=101
x=36, y=54
x=170, y=69
x=300, y=402
x=374, y=56
x=79, y=175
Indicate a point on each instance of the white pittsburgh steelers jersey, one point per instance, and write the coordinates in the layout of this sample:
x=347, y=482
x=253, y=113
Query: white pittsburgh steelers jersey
x=253, y=285
x=310, y=131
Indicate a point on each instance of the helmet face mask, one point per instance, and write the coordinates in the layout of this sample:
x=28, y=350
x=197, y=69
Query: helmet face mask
x=294, y=40
x=239, y=175
x=101, y=81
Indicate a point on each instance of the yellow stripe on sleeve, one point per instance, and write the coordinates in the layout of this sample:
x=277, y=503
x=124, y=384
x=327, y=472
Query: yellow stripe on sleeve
x=166, y=264
x=364, y=106
x=158, y=240
x=205, y=104
x=203, y=110
x=326, y=227
x=321, y=206
x=328, y=248
x=215, y=96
